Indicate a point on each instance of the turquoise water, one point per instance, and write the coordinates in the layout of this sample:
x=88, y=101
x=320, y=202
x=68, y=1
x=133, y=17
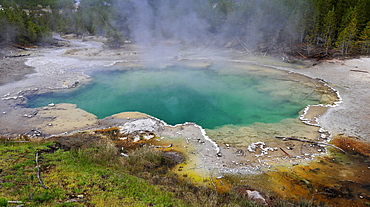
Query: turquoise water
x=210, y=97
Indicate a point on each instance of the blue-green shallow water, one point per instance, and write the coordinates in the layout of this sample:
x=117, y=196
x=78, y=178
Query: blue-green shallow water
x=210, y=97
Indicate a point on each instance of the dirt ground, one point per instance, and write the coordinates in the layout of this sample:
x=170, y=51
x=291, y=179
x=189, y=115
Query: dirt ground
x=13, y=69
x=351, y=78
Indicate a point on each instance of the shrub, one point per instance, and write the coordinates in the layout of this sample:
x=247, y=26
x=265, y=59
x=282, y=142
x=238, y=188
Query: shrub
x=147, y=160
x=3, y=202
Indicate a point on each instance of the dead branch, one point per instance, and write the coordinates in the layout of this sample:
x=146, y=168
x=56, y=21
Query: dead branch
x=169, y=146
x=243, y=44
x=284, y=79
x=285, y=152
x=321, y=193
x=311, y=142
x=300, y=54
x=39, y=171
x=15, y=201
x=349, y=181
x=309, y=94
x=361, y=71
x=19, y=47
x=15, y=56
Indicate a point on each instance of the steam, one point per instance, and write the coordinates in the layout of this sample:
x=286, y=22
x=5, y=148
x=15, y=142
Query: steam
x=159, y=24
x=151, y=21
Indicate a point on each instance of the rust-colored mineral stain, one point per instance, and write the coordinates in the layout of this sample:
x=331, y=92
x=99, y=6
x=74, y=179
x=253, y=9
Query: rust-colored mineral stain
x=336, y=180
x=352, y=145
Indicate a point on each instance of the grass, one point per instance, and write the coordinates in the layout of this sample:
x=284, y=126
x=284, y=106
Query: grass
x=95, y=174
x=84, y=177
x=101, y=185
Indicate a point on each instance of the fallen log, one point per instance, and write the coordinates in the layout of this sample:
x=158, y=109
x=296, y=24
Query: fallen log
x=311, y=142
x=361, y=71
x=15, y=202
x=300, y=54
x=20, y=47
x=15, y=56
x=39, y=171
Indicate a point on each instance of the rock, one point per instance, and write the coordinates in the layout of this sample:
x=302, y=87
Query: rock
x=125, y=155
x=145, y=124
x=256, y=196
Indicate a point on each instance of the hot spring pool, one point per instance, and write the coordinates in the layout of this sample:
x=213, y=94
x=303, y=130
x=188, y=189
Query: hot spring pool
x=211, y=96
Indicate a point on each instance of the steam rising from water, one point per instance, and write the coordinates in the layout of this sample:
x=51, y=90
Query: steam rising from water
x=205, y=22
x=151, y=23
x=159, y=20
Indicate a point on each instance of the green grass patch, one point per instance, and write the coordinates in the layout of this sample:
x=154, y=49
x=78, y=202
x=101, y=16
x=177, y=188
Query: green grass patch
x=85, y=176
x=94, y=174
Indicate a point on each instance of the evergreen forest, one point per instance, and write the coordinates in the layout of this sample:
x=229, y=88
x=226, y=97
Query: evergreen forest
x=327, y=27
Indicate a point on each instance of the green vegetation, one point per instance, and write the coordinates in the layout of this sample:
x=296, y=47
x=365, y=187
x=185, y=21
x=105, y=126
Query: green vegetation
x=315, y=26
x=340, y=25
x=90, y=176
x=3, y=202
x=93, y=174
x=22, y=27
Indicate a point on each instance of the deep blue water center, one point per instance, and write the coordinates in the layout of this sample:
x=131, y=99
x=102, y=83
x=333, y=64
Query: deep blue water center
x=210, y=97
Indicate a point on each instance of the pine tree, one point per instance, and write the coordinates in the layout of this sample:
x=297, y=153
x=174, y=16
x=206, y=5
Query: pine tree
x=363, y=14
x=347, y=37
x=329, y=29
x=365, y=39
